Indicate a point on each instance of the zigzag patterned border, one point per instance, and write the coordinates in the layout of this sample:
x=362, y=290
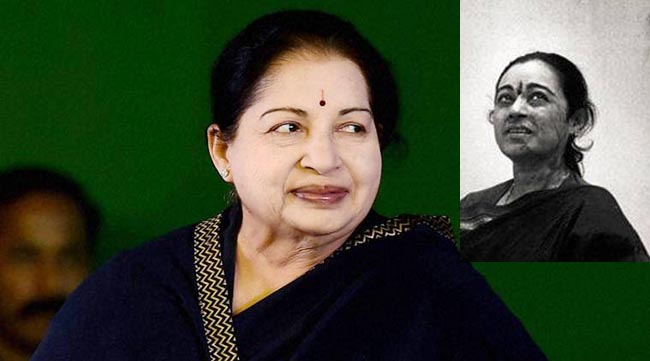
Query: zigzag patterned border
x=214, y=299
x=397, y=225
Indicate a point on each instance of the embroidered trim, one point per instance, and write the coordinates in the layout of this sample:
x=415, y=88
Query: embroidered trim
x=400, y=224
x=214, y=300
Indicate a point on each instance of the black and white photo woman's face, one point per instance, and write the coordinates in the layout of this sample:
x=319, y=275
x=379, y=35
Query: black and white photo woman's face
x=530, y=113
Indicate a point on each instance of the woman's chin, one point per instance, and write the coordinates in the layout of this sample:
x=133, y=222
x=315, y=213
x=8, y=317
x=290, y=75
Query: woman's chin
x=517, y=152
x=321, y=221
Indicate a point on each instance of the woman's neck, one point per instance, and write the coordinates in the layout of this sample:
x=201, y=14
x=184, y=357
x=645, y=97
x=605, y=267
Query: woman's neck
x=267, y=260
x=529, y=178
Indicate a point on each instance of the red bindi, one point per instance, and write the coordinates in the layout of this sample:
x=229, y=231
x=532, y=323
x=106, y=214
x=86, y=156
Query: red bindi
x=322, y=98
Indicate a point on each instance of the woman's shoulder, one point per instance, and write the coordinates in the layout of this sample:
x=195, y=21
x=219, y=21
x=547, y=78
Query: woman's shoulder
x=169, y=248
x=600, y=231
x=165, y=262
x=162, y=258
x=439, y=225
x=422, y=244
x=134, y=296
x=594, y=193
x=592, y=199
x=405, y=229
x=488, y=195
x=423, y=264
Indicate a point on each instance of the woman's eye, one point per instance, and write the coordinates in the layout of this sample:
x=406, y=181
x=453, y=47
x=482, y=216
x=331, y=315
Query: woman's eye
x=353, y=128
x=537, y=98
x=286, y=128
x=505, y=99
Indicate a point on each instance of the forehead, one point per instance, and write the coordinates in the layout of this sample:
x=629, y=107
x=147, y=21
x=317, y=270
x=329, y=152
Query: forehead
x=534, y=71
x=302, y=76
x=41, y=220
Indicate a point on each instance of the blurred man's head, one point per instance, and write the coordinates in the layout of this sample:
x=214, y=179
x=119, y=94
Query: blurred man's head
x=47, y=231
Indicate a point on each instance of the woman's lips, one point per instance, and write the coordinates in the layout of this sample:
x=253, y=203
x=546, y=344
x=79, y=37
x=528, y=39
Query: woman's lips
x=518, y=130
x=320, y=194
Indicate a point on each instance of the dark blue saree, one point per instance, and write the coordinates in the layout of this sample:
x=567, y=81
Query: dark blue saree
x=396, y=290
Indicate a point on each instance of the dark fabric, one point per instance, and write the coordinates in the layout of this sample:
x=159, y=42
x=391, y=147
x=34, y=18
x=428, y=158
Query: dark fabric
x=406, y=297
x=575, y=222
x=142, y=305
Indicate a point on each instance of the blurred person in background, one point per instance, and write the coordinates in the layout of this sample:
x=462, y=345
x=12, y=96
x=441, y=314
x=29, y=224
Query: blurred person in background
x=47, y=231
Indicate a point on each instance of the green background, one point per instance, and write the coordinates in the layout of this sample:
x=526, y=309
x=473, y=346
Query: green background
x=116, y=94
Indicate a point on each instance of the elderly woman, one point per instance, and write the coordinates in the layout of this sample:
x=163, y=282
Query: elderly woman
x=547, y=212
x=299, y=267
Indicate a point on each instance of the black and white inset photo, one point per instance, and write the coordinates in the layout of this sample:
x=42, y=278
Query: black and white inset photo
x=555, y=130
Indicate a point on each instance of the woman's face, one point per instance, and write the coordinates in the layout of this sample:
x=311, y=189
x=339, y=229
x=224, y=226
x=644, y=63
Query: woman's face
x=306, y=155
x=530, y=113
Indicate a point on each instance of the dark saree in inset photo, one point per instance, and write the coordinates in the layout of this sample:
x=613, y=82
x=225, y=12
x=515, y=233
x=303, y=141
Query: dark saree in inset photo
x=396, y=290
x=575, y=222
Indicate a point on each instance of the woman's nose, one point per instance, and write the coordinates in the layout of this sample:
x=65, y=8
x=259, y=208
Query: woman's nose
x=519, y=109
x=321, y=154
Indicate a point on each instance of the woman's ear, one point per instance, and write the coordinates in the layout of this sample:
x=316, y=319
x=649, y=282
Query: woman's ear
x=578, y=123
x=217, y=147
x=490, y=117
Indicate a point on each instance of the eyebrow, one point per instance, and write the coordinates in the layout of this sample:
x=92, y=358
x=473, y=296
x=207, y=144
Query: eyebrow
x=505, y=87
x=535, y=85
x=303, y=113
x=296, y=111
x=529, y=85
x=350, y=110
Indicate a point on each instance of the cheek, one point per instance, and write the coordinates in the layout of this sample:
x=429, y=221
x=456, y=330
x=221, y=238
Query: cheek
x=377, y=166
x=554, y=126
x=248, y=159
x=259, y=168
x=498, y=116
x=15, y=287
x=497, y=129
x=366, y=166
x=498, y=121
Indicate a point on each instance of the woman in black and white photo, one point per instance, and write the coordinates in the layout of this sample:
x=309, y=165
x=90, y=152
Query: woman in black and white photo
x=547, y=212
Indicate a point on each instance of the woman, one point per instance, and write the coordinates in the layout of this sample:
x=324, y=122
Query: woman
x=547, y=212
x=299, y=267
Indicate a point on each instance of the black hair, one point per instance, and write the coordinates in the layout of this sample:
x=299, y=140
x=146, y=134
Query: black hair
x=247, y=57
x=574, y=87
x=18, y=182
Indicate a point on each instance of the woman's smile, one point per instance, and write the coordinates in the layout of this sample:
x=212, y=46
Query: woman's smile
x=518, y=130
x=321, y=195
